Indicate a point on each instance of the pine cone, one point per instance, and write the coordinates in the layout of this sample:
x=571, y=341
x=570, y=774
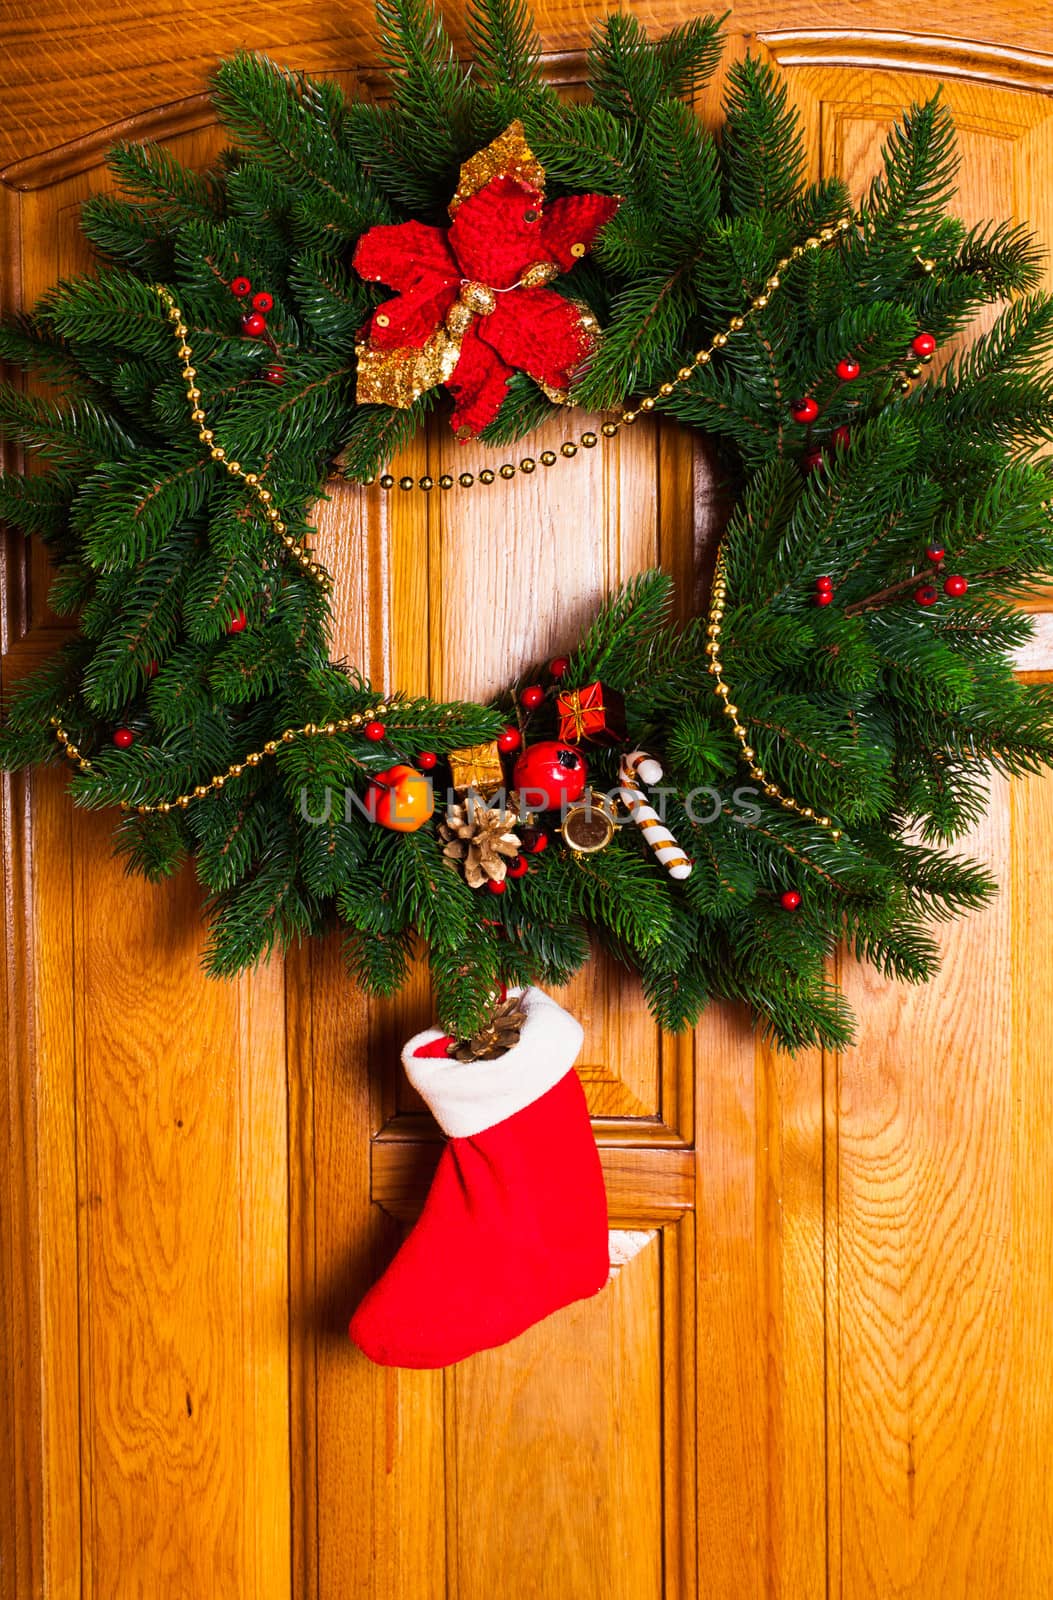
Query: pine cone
x=495, y=1037
x=482, y=839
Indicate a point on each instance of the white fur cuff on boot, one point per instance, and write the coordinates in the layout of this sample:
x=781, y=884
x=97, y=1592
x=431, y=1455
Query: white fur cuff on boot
x=465, y=1097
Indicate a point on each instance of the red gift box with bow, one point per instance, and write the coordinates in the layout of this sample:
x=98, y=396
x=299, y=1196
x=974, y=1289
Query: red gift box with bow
x=594, y=713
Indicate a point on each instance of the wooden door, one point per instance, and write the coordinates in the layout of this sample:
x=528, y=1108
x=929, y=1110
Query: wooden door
x=825, y=1370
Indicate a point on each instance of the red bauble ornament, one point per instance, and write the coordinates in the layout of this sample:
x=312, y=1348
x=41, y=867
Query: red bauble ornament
x=262, y=301
x=956, y=586
x=935, y=553
x=274, y=374
x=509, y=739
x=496, y=887
x=848, y=369
x=238, y=622
x=474, y=301
x=400, y=799
x=550, y=773
x=824, y=597
x=241, y=287
x=152, y=669
x=533, y=840
x=532, y=696
x=926, y=595
x=790, y=900
x=254, y=324
x=558, y=666
x=804, y=410
x=824, y=583
x=923, y=344
x=812, y=459
x=374, y=731
x=426, y=760
x=840, y=437
x=518, y=867
x=123, y=737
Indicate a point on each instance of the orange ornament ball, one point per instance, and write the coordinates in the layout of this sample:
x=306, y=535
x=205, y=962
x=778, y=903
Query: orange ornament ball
x=400, y=798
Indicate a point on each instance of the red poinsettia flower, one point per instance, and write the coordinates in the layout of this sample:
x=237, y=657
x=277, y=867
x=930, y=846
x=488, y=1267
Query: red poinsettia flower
x=472, y=303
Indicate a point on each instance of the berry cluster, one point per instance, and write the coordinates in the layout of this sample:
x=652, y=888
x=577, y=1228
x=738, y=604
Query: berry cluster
x=254, y=323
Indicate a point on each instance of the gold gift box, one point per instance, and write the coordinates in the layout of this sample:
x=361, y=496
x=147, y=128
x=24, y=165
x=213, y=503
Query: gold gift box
x=477, y=767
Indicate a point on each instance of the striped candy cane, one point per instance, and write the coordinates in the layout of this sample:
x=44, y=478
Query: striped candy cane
x=639, y=765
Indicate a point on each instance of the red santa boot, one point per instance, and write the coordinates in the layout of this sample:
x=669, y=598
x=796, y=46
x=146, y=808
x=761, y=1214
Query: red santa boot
x=515, y=1223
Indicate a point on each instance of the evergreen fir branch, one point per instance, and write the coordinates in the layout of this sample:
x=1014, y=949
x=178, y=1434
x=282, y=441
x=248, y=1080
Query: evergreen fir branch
x=582, y=147
x=266, y=910
x=142, y=621
x=1005, y=255
x=129, y=509
x=152, y=846
x=761, y=144
x=151, y=173
x=25, y=344
x=506, y=55
x=297, y=128
x=332, y=301
x=69, y=436
x=465, y=980
x=429, y=87
x=524, y=408
x=379, y=963
x=617, y=890
x=117, y=309
x=617, y=645
x=920, y=163
x=689, y=54
x=373, y=435
x=133, y=236
x=37, y=503
x=631, y=75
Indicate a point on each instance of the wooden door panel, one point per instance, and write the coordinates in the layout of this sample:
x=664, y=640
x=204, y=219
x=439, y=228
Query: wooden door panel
x=807, y=1379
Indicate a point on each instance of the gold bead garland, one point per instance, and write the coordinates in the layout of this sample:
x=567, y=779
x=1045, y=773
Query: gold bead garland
x=588, y=440
x=722, y=690
x=310, y=730
x=257, y=491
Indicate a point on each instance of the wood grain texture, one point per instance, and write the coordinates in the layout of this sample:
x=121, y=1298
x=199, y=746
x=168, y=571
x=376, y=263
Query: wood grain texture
x=826, y=1372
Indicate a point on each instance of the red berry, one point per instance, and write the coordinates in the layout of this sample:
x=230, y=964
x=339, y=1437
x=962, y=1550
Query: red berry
x=274, y=374
x=426, y=760
x=238, y=622
x=262, y=301
x=955, y=586
x=923, y=344
x=152, y=669
x=495, y=886
x=790, y=900
x=254, y=324
x=532, y=696
x=840, y=437
x=935, y=553
x=804, y=410
x=518, y=867
x=926, y=595
x=558, y=666
x=824, y=583
x=848, y=369
x=812, y=459
x=374, y=731
x=509, y=739
x=824, y=597
x=241, y=287
x=123, y=737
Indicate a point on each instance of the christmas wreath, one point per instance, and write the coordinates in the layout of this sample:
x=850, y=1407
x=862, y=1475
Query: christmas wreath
x=347, y=269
